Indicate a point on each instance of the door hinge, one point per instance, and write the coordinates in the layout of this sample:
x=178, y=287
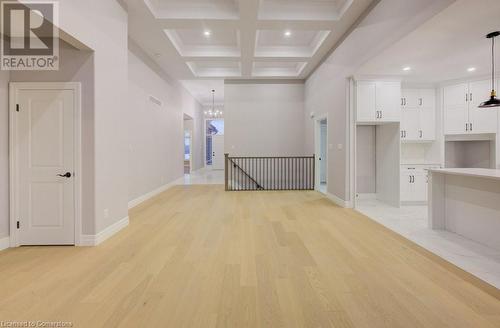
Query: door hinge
x=17, y=107
x=18, y=225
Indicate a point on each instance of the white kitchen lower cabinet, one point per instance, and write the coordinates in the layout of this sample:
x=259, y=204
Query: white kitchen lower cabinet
x=414, y=179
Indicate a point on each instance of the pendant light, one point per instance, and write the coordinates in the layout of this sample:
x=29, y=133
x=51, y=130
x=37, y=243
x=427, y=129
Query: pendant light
x=213, y=113
x=493, y=101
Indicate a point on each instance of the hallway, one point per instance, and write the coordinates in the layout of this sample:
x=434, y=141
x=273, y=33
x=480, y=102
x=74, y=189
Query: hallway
x=200, y=257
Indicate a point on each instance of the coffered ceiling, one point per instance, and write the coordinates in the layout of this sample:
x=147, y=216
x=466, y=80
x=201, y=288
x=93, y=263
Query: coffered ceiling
x=240, y=39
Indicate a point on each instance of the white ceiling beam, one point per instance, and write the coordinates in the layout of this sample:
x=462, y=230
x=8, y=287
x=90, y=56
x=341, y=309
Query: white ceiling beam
x=198, y=23
x=248, y=22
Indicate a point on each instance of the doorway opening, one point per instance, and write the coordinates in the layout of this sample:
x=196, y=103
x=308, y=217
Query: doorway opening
x=188, y=143
x=321, y=150
x=214, y=144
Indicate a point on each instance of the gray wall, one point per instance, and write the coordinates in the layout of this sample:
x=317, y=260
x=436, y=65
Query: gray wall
x=264, y=119
x=156, y=132
x=76, y=66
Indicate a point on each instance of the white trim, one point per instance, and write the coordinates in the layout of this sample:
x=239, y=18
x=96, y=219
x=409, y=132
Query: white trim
x=317, y=150
x=4, y=243
x=366, y=196
x=133, y=203
x=94, y=240
x=14, y=87
x=338, y=201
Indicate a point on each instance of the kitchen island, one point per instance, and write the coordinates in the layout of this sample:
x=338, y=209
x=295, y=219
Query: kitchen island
x=466, y=202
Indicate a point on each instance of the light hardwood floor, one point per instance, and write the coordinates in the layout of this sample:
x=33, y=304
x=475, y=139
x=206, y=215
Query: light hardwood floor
x=197, y=256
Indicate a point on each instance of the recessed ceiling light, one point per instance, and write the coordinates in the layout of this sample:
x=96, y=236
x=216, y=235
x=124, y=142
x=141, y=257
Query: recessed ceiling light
x=287, y=34
x=207, y=33
x=407, y=68
x=471, y=69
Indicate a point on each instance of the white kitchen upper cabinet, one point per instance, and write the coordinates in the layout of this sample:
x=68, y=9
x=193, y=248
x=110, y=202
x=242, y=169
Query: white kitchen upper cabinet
x=410, y=98
x=378, y=101
x=427, y=98
x=365, y=101
x=482, y=120
x=456, y=113
x=456, y=95
x=388, y=101
x=418, y=116
x=461, y=112
x=410, y=124
x=427, y=121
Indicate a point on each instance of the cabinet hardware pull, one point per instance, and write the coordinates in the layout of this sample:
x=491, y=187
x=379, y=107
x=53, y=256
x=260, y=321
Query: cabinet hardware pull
x=466, y=126
x=466, y=97
x=421, y=134
x=402, y=102
x=470, y=97
x=471, y=126
x=421, y=102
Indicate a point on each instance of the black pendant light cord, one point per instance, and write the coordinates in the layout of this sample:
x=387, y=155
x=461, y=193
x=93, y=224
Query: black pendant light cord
x=493, y=64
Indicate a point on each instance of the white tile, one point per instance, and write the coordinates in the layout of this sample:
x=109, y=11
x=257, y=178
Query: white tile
x=411, y=222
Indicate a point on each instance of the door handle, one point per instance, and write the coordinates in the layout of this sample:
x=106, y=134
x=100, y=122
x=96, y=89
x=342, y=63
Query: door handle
x=65, y=175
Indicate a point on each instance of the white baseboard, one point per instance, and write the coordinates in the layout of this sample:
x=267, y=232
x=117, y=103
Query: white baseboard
x=4, y=243
x=151, y=194
x=94, y=240
x=338, y=201
x=364, y=196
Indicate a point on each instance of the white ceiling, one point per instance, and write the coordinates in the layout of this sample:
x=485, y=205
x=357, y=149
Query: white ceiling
x=444, y=47
x=247, y=37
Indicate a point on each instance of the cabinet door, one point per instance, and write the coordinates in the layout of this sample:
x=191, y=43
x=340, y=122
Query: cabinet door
x=410, y=98
x=427, y=98
x=427, y=120
x=483, y=120
x=405, y=183
x=455, y=109
x=365, y=101
x=388, y=101
x=410, y=124
x=419, y=185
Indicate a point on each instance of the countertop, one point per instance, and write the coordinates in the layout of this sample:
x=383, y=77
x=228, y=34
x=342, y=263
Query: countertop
x=472, y=172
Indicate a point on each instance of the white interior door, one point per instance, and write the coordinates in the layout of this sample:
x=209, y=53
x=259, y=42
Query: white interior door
x=44, y=171
x=218, y=152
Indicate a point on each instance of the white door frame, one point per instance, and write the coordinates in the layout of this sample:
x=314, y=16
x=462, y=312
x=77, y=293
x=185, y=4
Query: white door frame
x=14, y=87
x=317, y=150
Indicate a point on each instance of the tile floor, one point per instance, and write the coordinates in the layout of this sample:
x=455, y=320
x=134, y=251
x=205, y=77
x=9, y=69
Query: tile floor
x=411, y=222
